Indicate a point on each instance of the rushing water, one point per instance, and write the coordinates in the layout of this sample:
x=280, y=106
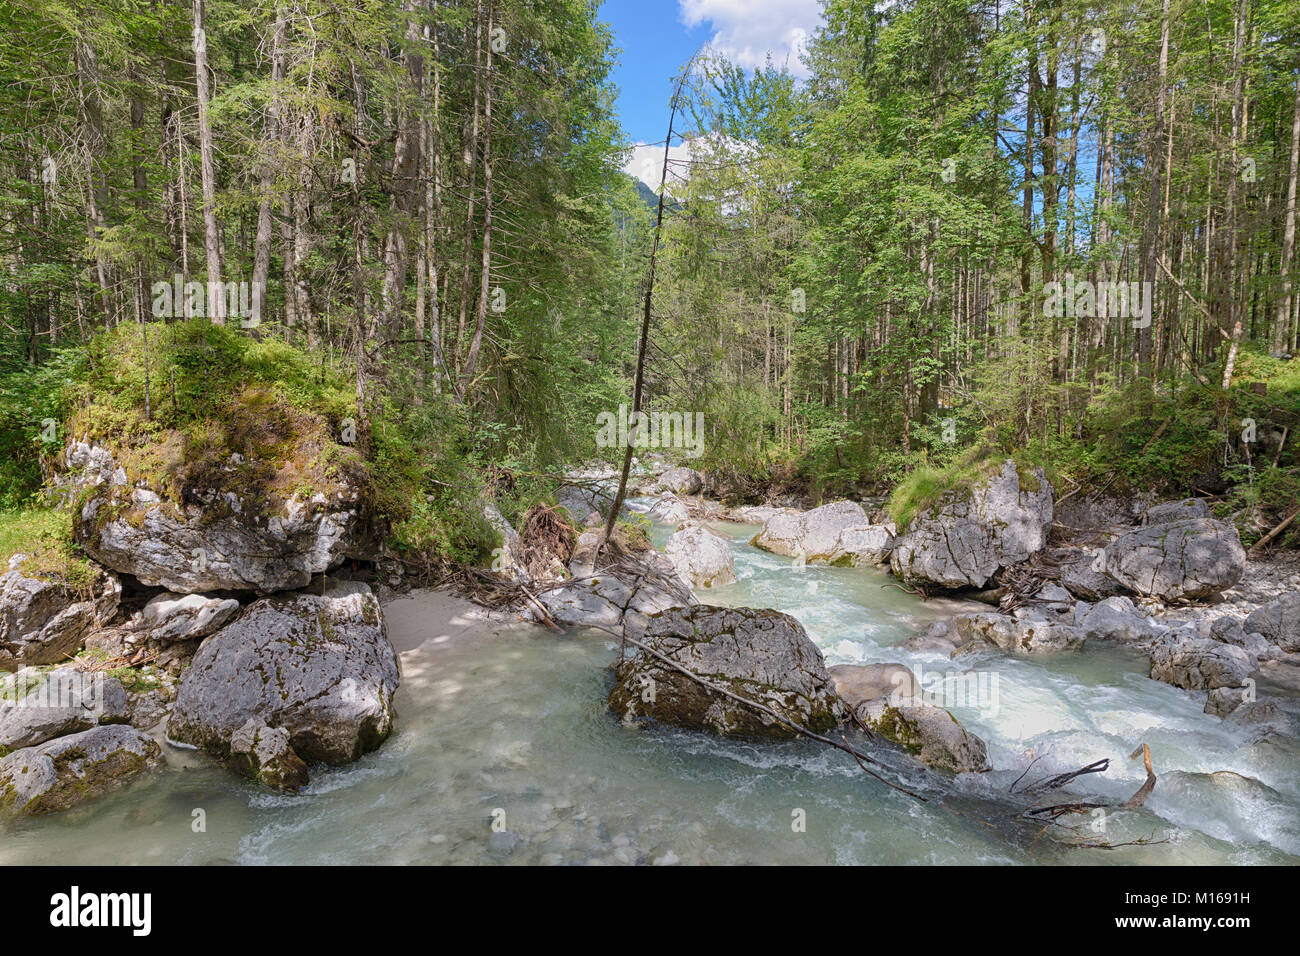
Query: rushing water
x=509, y=723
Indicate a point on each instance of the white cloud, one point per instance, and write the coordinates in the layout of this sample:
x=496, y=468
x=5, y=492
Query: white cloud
x=647, y=163
x=647, y=160
x=748, y=30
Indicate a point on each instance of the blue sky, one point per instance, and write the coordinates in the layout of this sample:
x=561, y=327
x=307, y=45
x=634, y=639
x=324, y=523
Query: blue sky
x=657, y=36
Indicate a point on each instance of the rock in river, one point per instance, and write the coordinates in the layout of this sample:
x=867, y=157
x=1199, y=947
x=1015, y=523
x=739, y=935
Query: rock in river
x=701, y=556
x=36, y=707
x=1177, y=560
x=965, y=539
x=72, y=770
x=761, y=655
x=837, y=532
x=318, y=666
x=681, y=481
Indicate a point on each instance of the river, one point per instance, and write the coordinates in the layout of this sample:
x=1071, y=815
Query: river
x=507, y=724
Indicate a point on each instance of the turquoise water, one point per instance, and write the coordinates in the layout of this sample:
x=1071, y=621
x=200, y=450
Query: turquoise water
x=510, y=726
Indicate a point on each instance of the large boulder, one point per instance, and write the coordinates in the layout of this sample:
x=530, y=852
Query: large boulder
x=72, y=770
x=859, y=547
x=669, y=510
x=36, y=707
x=44, y=621
x=889, y=700
x=813, y=535
x=681, y=481
x=1177, y=560
x=701, y=556
x=218, y=542
x=759, y=514
x=1116, y=620
x=761, y=655
x=169, y=618
x=1278, y=621
x=1184, y=510
x=967, y=538
x=317, y=665
x=1200, y=663
x=1082, y=576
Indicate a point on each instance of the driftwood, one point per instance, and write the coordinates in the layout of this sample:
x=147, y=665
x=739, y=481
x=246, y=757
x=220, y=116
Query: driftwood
x=1277, y=529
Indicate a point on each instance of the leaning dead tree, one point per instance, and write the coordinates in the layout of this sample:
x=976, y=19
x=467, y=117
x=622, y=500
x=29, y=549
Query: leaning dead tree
x=639, y=379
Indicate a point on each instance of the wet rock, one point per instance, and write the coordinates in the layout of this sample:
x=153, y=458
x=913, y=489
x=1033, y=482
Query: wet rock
x=938, y=638
x=762, y=655
x=929, y=733
x=1184, y=510
x=75, y=769
x=1200, y=663
x=669, y=510
x=859, y=683
x=169, y=617
x=702, y=557
x=1017, y=635
x=863, y=547
x=36, y=707
x=1116, y=619
x=641, y=585
x=44, y=621
x=812, y=535
x=319, y=666
x=1278, y=621
x=1178, y=560
x=681, y=481
x=264, y=754
x=974, y=532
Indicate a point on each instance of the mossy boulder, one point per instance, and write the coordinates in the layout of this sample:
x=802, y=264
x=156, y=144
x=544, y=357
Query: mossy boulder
x=217, y=540
x=976, y=530
x=73, y=770
x=929, y=733
x=44, y=620
x=319, y=666
x=760, y=655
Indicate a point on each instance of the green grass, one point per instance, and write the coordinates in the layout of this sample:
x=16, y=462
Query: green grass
x=45, y=536
x=927, y=485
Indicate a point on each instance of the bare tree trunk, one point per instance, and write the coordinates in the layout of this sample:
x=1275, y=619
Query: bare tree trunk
x=92, y=121
x=211, y=230
x=639, y=379
x=1240, y=33
x=1153, y=215
x=1282, y=323
x=485, y=264
x=262, y=244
